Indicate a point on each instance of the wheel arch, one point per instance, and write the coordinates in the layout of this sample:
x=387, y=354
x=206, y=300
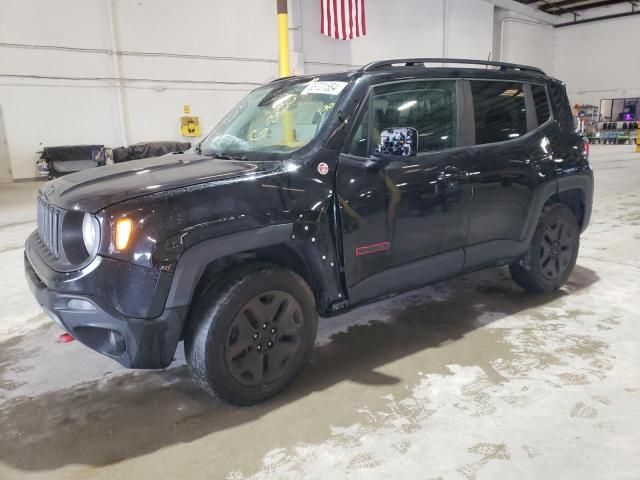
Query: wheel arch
x=575, y=192
x=210, y=259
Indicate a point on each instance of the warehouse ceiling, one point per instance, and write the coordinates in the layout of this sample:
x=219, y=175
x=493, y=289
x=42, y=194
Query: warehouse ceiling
x=560, y=7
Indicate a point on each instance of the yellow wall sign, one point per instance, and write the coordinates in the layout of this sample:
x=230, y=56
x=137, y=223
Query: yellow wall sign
x=189, y=124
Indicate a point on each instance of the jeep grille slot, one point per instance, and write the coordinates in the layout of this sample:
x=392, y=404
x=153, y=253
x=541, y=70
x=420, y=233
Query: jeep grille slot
x=49, y=226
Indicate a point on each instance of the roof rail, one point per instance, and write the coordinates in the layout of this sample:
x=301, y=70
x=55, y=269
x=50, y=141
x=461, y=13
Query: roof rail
x=410, y=62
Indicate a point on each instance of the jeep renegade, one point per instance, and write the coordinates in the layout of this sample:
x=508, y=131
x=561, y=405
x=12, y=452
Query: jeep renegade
x=313, y=195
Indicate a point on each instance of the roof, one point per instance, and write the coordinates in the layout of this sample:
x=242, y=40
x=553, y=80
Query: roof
x=434, y=68
x=411, y=62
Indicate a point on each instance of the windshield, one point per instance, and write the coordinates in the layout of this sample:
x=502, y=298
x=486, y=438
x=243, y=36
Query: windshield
x=275, y=118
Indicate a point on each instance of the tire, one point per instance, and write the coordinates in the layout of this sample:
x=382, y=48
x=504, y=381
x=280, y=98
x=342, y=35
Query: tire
x=250, y=334
x=552, y=254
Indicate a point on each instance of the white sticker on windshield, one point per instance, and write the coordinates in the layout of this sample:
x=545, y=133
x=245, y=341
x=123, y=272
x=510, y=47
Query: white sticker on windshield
x=328, y=88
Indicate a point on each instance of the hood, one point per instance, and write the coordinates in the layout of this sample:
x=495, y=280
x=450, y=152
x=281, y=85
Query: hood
x=96, y=188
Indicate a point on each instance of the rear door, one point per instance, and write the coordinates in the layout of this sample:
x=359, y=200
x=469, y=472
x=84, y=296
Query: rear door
x=509, y=161
x=402, y=182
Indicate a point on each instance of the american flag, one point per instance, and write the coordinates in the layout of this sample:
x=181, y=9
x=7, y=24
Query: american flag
x=342, y=19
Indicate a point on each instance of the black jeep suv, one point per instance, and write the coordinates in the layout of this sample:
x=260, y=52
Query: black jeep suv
x=313, y=195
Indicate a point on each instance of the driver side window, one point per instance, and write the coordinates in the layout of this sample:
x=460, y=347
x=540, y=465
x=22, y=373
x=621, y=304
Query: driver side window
x=408, y=118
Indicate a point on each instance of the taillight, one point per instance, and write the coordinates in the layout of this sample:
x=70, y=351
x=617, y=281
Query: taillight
x=585, y=149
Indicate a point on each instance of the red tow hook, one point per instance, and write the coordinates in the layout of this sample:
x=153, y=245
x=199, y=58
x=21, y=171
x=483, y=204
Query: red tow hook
x=65, y=338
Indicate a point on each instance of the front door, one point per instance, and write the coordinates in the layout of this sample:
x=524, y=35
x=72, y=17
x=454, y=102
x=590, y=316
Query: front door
x=402, y=186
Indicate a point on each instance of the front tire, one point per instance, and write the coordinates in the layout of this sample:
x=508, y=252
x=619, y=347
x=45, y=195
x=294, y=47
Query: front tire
x=250, y=333
x=552, y=254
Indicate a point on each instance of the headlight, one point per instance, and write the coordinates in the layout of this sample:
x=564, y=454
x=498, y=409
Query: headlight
x=90, y=234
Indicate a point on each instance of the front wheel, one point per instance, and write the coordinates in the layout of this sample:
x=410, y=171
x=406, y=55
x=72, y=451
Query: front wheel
x=250, y=334
x=552, y=254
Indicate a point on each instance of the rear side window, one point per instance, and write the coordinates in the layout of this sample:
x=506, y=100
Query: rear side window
x=541, y=102
x=561, y=107
x=499, y=110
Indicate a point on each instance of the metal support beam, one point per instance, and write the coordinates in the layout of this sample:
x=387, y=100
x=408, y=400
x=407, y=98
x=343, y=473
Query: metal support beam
x=551, y=6
x=120, y=102
x=585, y=6
x=597, y=19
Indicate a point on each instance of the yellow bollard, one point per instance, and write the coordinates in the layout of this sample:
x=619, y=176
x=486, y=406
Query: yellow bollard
x=283, y=38
x=283, y=56
x=638, y=140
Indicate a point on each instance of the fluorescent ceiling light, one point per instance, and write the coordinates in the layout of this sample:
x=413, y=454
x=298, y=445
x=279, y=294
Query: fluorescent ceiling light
x=407, y=105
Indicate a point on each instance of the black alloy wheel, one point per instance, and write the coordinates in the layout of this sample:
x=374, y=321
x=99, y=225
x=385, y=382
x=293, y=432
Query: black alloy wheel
x=552, y=253
x=556, y=249
x=263, y=338
x=249, y=333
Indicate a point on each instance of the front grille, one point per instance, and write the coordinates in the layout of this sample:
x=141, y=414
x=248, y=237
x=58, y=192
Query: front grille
x=49, y=226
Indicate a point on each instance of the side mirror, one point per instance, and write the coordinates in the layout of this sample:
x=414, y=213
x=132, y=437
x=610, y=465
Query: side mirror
x=400, y=141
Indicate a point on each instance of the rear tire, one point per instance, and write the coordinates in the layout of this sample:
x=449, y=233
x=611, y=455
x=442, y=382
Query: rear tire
x=552, y=254
x=250, y=333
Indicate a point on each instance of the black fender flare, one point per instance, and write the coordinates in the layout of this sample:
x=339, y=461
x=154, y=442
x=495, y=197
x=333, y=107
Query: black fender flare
x=193, y=262
x=584, y=183
x=540, y=197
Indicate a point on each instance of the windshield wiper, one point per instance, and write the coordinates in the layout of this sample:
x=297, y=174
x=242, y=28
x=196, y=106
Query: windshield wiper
x=224, y=156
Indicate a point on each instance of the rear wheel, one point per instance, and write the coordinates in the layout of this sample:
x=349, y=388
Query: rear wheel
x=552, y=254
x=249, y=336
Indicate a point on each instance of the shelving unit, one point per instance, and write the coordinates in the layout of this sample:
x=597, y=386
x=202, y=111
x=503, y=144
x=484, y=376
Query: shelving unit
x=614, y=133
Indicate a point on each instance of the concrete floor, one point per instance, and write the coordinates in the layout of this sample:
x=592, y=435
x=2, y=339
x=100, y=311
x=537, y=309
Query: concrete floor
x=470, y=379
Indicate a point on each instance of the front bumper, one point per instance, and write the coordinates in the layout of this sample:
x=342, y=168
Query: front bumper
x=132, y=342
